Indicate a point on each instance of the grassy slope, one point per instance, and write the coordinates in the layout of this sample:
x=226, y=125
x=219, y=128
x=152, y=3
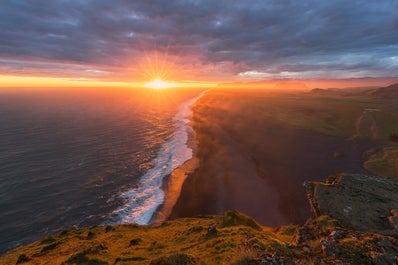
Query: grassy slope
x=336, y=113
x=236, y=239
x=133, y=244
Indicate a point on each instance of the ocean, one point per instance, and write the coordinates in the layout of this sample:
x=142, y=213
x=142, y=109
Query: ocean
x=81, y=157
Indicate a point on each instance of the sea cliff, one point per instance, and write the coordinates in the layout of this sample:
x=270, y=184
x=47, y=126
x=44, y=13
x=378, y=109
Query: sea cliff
x=330, y=236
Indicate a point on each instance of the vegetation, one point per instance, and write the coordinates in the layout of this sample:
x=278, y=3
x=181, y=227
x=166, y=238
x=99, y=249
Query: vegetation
x=384, y=162
x=185, y=240
x=239, y=241
x=351, y=114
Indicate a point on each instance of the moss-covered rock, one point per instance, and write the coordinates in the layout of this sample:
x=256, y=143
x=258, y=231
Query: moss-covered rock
x=235, y=218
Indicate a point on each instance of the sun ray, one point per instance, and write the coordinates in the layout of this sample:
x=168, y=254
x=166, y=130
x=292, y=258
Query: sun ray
x=159, y=84
x=159, y=67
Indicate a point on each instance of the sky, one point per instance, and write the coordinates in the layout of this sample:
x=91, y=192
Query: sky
x=197, y=41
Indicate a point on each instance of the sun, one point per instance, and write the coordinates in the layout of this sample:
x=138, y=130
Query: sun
x=159, y=84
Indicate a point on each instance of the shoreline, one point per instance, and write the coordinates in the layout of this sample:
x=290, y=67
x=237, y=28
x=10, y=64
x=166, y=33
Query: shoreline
x=142, y=203
x=258, y=168
x=172, y=183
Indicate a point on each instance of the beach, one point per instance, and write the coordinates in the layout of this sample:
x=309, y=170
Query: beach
x=254, y=163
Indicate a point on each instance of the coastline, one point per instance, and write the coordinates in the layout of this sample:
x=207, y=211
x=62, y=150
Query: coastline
x=257, y=165
x=172, y=183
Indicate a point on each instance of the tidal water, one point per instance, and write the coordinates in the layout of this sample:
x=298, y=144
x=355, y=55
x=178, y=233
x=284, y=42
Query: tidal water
x=73, y=158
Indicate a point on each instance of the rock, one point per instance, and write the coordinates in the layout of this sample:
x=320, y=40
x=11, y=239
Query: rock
x=388, y=246
x=109, y=228
x=102, y=246
x=90, y=235
x=275, y=258
x=384, y=259
x=334, y=235
x=306, y=249
x=272, y=260
x=22, y=258
x=304, y=234
x=393, y=219
x=329, y=248
x=364, y=203
x=212, y=231
x=135, y=242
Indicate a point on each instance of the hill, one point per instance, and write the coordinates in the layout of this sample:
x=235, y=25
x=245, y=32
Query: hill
x=386, y=92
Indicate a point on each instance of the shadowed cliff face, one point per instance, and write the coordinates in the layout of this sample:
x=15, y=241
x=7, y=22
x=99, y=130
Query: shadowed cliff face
x=364, y=203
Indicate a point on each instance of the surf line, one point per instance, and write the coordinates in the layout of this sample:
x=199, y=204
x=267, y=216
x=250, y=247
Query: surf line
x=142, y=202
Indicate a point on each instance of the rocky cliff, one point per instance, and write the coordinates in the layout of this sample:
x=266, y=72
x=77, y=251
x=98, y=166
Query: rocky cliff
x=363, y=203
x=354, y=222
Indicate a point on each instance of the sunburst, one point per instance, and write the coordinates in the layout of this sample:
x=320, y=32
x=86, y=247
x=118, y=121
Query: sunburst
x=159, y=68
x=159, y=84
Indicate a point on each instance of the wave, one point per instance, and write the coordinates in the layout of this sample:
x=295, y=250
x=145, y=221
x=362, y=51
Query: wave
x=141, y=203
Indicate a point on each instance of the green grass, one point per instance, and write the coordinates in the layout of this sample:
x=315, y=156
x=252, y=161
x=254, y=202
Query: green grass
x=384, y=162
x=336, y=114
x=188, y=236
x=185, y=242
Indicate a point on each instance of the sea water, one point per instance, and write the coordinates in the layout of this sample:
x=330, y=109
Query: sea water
x=142, y=201
x=72, y=158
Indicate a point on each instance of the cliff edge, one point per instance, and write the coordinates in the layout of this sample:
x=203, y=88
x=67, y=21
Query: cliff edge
x=354, y=222
x=360, y=202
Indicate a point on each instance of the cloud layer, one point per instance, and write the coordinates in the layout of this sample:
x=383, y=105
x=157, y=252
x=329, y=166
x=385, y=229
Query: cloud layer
x=203, y=39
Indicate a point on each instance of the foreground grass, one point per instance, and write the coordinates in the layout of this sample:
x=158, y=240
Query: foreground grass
x=230, y=239
x=211, y=239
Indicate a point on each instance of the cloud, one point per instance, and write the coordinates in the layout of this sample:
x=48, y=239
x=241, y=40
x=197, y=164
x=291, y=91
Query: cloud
x=275, y=38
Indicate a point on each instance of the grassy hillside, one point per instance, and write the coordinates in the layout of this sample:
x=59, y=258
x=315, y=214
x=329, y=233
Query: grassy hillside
x=209, y=239
x=230, y=239
x=348, y=113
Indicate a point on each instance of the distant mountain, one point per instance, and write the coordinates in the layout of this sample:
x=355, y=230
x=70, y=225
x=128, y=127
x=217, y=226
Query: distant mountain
x=386, y=92
x=291, y=85
x=324, y=90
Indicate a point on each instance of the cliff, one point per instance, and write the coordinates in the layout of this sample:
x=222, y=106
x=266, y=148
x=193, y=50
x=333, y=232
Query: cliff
x=353, y=223
x=363, y=203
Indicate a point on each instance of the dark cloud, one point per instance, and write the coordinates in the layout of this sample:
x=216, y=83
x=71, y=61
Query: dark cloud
x=269, y=38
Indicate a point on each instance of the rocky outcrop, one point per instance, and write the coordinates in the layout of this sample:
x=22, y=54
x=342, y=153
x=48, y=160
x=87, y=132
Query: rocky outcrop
x=363, y=203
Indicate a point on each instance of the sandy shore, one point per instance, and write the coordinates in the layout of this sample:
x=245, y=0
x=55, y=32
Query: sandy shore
x=254, y=164
x=172, y=186
x=172, y=183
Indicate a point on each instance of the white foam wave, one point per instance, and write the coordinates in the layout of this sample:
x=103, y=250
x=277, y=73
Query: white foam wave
x=141, y=202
